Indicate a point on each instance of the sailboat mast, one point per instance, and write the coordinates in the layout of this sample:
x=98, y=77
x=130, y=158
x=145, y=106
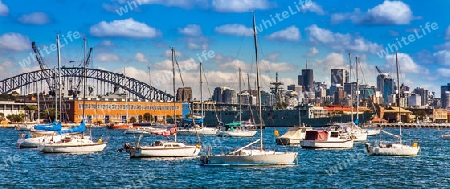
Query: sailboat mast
x=351, y=86
x=38, y=106
x=126, y=97
x=84, y=76
x=59, y=76
x=240, y=103
x=255, y=37
x=201, y=94
x=357, y=89
x=173, y=84
x=398, y=93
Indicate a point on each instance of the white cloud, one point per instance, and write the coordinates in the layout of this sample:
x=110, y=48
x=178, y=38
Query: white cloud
x=273, y=56
x=37, y=18
x=186, y=4
x=15, y=42
x=239, y=5
x=234, y=65
x=185, y=65
x=312, y=7
x=405, y=62
x=140, y=57
x=191, y=30
x=234, y=29
x=7, y=63
x=197, y=43
x=106, y=43
x=168, y=54
x=289, y=34
x=123, y=28
x=342, y=42
x=107, y=57
x=443, y=72
x=265, y=65
x=313, y=51
x=442, y=57
x=4, y=11
x=389, y=12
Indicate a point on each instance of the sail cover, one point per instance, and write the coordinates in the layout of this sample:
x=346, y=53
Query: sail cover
x=49, y=127
x=81, y=128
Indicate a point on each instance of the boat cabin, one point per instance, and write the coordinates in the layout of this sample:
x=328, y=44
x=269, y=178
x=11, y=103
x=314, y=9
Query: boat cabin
x=165, y=144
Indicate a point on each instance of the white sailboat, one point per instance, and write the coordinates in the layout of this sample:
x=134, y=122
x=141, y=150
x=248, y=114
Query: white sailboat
x=163, y=148
x=240, y=128
x=394, y=148
x=243, y=156
x=73, y=143
x=195, y=129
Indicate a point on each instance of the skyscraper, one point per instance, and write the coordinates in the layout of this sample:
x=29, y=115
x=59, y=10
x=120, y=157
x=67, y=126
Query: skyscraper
x=339, y=76
x=308, y=80
x=386, y=85
x=445, y=96
x=184, y=94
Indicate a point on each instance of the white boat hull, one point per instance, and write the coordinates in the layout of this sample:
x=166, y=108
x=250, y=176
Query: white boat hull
x=445, y=137
x=251, y=157
x=236, y=133
x=200, y=131
x=72, y=148
x=373, y=132
x=360, y=136
x=35, y=142
x=394, y=150
x=149, y=151
x=326, y=144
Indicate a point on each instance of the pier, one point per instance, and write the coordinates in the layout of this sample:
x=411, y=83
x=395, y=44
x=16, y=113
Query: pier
x=413, y=125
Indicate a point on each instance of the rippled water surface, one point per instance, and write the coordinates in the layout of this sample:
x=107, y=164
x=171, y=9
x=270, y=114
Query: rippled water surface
x=352, y=168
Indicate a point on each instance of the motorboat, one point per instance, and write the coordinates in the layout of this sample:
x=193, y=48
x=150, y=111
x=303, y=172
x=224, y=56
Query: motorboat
x=293, y=136
x=331, y=137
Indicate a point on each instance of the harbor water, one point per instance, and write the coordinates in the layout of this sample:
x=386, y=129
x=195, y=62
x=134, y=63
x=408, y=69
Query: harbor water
x=350, y=168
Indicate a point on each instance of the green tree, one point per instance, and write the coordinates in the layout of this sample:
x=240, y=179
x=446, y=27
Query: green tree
x=49, y=113
x=2, y=116
x=148, y=117
x=16, y=117
x=133, y=120
x=30, y=111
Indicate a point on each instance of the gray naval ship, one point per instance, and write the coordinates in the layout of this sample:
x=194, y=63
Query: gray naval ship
x=310, y=116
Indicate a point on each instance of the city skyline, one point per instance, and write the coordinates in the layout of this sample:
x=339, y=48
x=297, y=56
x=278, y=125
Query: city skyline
x=136, y=35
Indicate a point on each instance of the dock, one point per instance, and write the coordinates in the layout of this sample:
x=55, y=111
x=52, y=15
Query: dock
x=413, y=125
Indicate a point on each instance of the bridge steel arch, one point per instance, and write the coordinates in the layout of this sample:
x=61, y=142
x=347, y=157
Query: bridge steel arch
x=134, y=86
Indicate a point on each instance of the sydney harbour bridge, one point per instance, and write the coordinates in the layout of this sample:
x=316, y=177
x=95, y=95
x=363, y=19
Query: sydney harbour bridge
x=104, y=80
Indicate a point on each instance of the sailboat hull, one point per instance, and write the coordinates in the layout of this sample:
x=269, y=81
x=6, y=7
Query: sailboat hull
x=150, y=151
x=236, y=133
x=251, y=158
x=373, y=132
x=75, y=147
x=35, y=142
x=326, y=144
x=392, y=150
x=194, y=132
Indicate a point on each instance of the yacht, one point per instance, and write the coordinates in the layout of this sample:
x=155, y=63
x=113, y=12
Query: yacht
x=330, y=137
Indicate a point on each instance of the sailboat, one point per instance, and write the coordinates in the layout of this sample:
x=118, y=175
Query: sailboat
x=73, y=143
x=243, y=156
x=163, y=148
x=240, y=128
x=357, y=133
x=194, y=129
x=395, y=148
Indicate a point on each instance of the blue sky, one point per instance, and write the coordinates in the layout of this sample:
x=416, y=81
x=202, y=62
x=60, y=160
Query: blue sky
x=136, y=35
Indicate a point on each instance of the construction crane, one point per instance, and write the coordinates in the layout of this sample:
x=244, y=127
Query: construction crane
x=85, y=64
x=45, y=71
x=378, y=69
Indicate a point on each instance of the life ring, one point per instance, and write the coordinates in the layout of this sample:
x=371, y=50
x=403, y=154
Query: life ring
x=352, y=136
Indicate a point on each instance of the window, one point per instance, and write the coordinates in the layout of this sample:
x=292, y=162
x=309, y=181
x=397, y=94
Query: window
x=334, y=134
